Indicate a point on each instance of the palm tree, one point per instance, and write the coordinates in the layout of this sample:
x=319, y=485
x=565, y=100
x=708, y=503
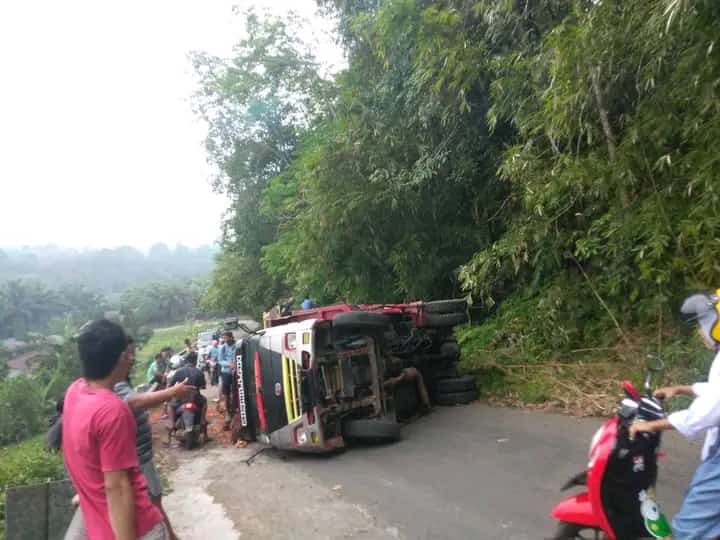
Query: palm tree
x=26, y=305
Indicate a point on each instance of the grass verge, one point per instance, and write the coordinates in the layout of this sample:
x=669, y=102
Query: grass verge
x=172, y=337
x=584, y=382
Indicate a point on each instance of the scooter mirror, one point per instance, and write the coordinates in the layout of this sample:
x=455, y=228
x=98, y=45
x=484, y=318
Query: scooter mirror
x=654, y=363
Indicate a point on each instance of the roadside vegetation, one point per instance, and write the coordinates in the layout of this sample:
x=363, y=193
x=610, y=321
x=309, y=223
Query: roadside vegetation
x=173, y=337
x=29, y=308
x=27, y=401
x=26, y=463
x=552, y=160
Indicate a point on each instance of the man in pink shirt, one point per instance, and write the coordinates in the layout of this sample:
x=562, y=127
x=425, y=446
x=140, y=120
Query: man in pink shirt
x=99, y=443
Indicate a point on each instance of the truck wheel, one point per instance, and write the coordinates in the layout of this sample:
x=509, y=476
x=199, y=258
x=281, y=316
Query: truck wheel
x=445, y=372
x=457, y=305
x=444, y=320
x=362, y=320
x=371, y=431
x=455, y=398
x=456, y=384
x=450, y=349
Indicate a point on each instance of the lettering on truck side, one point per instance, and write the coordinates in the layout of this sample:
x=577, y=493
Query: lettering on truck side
x=241, y=391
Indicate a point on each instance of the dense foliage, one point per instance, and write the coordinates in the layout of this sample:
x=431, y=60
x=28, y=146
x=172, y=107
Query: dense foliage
x=29, y=306
x=24, y=464
x=555, y=155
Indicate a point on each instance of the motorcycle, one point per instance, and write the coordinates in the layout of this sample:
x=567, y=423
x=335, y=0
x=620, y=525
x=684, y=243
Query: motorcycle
x=619, y=498
x=188, y=424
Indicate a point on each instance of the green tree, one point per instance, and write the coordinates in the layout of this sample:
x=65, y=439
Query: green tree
x=540, y=153
x=395, y=187
x=4, y=357
x=22, y=409
x=257, y=104
x=613, y=183
x=26, y=305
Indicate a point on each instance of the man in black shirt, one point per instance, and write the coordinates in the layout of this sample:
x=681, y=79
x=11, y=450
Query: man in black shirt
x=190, y=372
x=194, y=377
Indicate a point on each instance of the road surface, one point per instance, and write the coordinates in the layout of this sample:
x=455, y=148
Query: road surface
x=464, y=472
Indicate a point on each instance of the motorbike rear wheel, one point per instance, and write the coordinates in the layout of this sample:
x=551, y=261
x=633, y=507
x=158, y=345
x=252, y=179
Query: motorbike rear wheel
x=573, y=531
x=189, y=441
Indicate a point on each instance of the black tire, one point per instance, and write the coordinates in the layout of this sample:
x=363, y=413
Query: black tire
x=444, y=320
x=573, y=531
x=371, y=431
x=465, y=383
x=377, y=323
x=457, y=305
x=455, y=398
x=189, y=441
x=450, y=350
x=445, y=372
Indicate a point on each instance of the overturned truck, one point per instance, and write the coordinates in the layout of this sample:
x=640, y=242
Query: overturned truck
x=314, y=380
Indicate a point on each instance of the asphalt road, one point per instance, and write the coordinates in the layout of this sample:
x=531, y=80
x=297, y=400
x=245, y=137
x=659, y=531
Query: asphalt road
x=478, y=472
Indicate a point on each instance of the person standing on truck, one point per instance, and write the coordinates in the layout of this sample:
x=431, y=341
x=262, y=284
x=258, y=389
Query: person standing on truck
x=226, y=359
x=308, y=303
x=286, y=307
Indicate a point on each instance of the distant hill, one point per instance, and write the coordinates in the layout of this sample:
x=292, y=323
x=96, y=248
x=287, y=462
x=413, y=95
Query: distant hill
x=107, y=270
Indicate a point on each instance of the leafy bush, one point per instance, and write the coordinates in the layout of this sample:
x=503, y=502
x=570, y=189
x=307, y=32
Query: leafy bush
x=22, y=409
x=26, y=463
x=533, y=325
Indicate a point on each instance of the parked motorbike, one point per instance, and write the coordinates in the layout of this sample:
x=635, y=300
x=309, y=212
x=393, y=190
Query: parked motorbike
x=619, y=498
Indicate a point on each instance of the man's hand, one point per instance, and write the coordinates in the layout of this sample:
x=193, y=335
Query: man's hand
x=648, y=427
x=183, y=390
x=639, y=427
x=670, y=392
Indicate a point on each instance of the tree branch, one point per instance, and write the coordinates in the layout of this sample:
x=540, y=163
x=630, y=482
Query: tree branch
x=607, y=130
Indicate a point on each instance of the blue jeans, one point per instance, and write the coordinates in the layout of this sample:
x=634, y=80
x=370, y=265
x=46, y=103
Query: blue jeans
x=699, y=517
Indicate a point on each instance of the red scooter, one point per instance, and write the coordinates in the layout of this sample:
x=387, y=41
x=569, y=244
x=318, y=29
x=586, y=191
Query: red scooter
x=619, y=500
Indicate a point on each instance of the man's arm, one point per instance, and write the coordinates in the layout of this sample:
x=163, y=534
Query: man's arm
x=121, y=504
x=649, y=427
x=146, y=400
x=670, y=392
x=115, y=430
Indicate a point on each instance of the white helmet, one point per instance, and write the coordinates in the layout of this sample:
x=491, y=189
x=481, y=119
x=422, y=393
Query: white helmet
x=176, y=361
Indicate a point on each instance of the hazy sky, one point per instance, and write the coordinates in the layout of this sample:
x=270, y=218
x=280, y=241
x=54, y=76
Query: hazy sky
x=98, y=144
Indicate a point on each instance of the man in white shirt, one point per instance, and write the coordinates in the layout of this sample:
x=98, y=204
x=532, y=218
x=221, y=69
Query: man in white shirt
x=699, y=517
